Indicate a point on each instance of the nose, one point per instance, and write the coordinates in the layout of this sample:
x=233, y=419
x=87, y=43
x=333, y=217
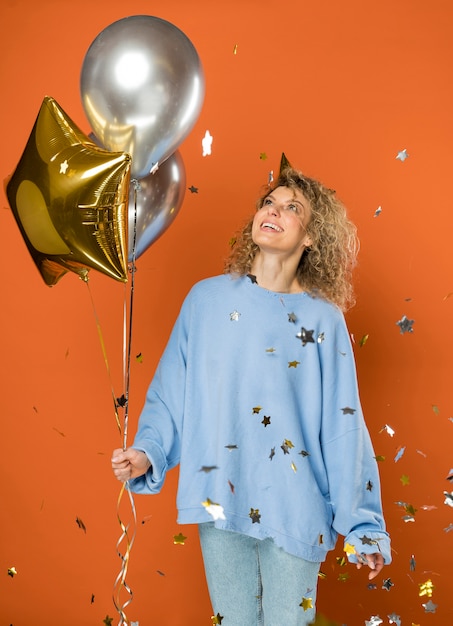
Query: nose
x=273, y=209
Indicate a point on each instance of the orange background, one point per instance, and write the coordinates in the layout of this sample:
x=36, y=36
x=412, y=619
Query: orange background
x=341, y=88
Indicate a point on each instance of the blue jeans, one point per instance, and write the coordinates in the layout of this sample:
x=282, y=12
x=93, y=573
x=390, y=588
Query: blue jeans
x=253, y=582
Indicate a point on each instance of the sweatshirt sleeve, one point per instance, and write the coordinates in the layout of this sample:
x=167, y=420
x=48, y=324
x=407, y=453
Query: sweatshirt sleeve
x=349, y=458
x=160, y=423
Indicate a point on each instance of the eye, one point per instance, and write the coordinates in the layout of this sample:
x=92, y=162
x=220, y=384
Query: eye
x=293, y=207
x=267, y=201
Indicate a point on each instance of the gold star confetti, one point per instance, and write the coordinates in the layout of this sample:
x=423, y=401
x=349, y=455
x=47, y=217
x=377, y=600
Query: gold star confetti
x=12, y=571
x=380, y=458
x=292, y=318
x=139, y=358
x=270, y=350
x=307, y=603
x=80, y=524
x=256, y=409
x=266, y=421
x=216, y=619
x=63, y=167
x=255, y=516
x=343, y=577
x=193, y=189
x=349, y=549
x=348, y=411
x=341, y=561
x=235, y=51
x=293, y=467
x=234, y=316
x=404, y=480
x=263, y=156
x=179, y=539
x=293, y=363
x=108, y=621
x=426, y=588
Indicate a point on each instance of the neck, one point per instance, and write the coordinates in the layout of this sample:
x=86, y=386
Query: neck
x=275, y=274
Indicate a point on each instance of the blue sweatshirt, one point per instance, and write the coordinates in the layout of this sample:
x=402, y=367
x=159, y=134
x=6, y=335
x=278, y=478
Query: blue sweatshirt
x=256, y=398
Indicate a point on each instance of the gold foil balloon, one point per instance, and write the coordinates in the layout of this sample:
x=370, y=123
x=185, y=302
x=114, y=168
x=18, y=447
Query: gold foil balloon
x=142, y=88
x=154, y=202
x=70, y=200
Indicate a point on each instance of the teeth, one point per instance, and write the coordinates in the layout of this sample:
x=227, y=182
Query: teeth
x=273, y=226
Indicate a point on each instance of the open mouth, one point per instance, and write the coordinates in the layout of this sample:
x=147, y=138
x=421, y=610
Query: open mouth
x=271, y=226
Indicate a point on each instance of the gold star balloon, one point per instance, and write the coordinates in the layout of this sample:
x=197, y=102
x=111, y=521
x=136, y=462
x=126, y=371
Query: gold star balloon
x=70, y=200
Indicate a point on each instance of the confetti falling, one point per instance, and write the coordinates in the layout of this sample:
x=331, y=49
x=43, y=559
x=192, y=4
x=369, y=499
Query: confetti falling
x=378, y=211
x=307, y=603
x=426, y=588
x=255, y=516
x=363, y=340
x=402, y=155
x=306, y=336
x=217, y=619
x=234, y=316
x=388, y=429
x=193, y=189
x=374, y=620
x=400, y=453
x=12, y=571
x=405, y=325
x=206, y=143
x=179, y=539
x=80, y=524
x=215, y=510
x=429, y=607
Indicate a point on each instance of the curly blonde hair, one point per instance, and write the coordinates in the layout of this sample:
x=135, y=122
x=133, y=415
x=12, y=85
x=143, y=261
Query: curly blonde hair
x=325, y=268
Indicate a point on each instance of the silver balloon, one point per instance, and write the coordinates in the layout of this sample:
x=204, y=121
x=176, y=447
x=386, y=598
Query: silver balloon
x=154, y=202
x=142, y=87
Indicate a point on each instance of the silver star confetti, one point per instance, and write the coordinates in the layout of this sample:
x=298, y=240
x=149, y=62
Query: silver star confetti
x=402, y=155
x=405, y=325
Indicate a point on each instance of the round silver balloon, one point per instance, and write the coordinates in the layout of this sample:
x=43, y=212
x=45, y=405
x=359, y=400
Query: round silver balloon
x=142, y=87
x=154, y=202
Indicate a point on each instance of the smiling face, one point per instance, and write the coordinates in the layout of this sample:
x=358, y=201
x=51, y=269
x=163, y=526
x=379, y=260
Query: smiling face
x=279, y=226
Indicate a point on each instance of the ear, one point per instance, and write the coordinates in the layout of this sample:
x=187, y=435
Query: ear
x=308, y=241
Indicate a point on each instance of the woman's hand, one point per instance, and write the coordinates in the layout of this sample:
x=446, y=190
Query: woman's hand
x=130, y=463
x=374, y=561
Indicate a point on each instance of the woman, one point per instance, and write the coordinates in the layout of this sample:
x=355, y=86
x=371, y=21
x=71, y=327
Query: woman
x=256, y=398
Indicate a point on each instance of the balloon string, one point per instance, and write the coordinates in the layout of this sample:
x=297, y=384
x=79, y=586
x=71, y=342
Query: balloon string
x=129, y=538
x=126, y=536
